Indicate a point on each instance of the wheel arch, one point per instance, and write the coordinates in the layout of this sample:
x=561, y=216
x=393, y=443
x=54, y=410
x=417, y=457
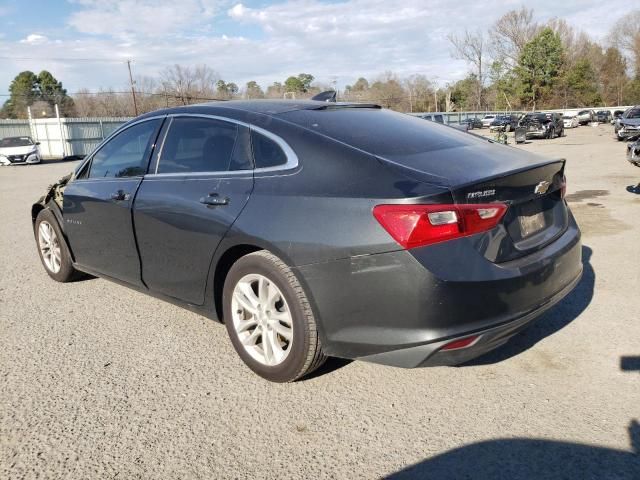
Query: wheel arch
x=36, y=208
x=226, y=260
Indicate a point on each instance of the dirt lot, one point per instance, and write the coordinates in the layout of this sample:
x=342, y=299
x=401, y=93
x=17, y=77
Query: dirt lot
x=98, y=381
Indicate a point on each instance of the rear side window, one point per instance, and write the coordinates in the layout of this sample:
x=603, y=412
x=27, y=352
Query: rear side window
x=266, y=152
x=126, y=154
x=195, y=144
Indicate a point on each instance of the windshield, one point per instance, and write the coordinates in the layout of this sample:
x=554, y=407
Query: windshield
x=567, y=117
x=15, y=142
x=633, y=113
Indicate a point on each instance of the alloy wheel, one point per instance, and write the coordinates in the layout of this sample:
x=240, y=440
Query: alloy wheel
x=49, y=247
x=262, y=319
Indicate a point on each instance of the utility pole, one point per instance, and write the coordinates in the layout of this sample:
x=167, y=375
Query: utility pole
x=133, y=90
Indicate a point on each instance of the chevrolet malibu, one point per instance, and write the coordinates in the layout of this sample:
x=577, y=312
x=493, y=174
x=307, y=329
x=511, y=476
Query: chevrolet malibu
x=317, y=229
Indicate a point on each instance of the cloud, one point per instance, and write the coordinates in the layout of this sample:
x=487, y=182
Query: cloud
x=34, y=39
x=141, y=18
x=343, y=40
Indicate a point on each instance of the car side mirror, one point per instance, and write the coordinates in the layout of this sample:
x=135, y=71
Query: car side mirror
x=37, y=143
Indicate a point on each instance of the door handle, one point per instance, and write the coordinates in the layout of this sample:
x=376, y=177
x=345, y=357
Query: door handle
x=214, y=200
x=119, y=195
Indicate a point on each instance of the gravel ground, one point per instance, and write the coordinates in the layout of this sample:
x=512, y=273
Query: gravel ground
x=98, y=381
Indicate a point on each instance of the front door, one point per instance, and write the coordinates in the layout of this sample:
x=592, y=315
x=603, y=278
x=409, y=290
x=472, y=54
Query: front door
x=201, y=183
x=97, y=204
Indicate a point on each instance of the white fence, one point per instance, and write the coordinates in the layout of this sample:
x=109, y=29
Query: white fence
x=63, y=137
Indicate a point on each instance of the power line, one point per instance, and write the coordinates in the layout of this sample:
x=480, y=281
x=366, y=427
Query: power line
x=72, y=59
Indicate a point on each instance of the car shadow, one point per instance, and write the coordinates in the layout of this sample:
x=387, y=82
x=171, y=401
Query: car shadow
x=331, y=365
x=634, y=189
x=71, y=158
x=527, y=458
x=630, y=363
x=549, y=322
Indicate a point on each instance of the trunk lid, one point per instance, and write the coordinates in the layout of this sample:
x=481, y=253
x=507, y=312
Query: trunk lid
x=530, y=185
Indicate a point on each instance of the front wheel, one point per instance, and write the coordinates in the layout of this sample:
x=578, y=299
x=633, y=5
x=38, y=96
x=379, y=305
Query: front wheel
x=52, y=248
x=269, y=319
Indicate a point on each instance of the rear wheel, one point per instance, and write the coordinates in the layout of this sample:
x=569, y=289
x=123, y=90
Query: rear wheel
x=52, y=248
x=269, y=319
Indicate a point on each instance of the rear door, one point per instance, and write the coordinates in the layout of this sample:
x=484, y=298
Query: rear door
x=97, y=204
x=199, y=184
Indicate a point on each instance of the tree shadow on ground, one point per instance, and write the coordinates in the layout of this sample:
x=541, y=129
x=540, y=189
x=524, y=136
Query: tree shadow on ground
x=551, y=321
x=525, y=458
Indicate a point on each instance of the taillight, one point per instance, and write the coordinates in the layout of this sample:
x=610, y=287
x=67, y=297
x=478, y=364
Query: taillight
x=463, y=343
x=563, y=186
x=419, y=225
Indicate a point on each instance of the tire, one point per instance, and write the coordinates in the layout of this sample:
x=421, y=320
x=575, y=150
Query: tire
x=59, y=266
x=552, y=133
x=289, y=359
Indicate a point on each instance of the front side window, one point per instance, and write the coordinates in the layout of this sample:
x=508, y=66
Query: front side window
x=266, y=152
x=196, y=144
x=126, y=154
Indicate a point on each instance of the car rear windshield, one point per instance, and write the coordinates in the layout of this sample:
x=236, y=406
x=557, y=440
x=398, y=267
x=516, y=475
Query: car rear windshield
x=536, y=116
x=15, y=142
x=380, y=132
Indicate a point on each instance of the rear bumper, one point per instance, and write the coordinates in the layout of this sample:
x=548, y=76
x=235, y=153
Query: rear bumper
x=400, y=308
x=537, y=133
x=432, y=355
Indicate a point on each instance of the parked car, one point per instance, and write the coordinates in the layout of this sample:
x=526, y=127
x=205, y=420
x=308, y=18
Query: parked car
x=633, y=153
x=543, y=125
x=471, y=123
x=628, y=126
x=272, y=217
x=570, y=121
x=487, y=119
x=19, y=151
x=438, y=118
x=603, y=116
x=504, y=122
x=616, y=115
x=585, y=117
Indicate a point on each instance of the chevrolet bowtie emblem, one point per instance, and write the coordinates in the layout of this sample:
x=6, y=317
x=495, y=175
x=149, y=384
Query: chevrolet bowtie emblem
x=542, y=187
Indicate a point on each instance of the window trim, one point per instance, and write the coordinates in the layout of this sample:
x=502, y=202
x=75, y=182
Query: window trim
x=86, y=164
x=291, y=163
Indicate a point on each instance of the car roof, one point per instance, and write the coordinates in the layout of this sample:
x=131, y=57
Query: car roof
x=265, y=107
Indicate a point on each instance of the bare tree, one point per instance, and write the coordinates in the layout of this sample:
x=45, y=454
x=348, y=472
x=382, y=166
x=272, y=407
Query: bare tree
x=625, y=34
x=186, y=85
x=511, y=33
x=420, y=93
x=471, y=48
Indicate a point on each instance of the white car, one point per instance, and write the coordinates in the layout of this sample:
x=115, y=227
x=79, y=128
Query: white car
x=570, y=121
x=486, y=120
x=19, y=150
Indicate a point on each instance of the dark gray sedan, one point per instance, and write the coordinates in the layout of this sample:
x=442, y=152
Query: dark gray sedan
x=317, y=229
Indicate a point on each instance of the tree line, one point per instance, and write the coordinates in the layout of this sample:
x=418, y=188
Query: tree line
x=517, y=64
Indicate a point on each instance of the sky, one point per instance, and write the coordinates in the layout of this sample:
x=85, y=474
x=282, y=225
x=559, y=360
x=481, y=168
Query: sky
x=85, y=43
